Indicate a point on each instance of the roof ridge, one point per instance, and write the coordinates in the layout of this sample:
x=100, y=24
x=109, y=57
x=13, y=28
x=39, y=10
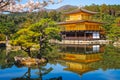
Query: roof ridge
x=77, y=21
x=80, y=10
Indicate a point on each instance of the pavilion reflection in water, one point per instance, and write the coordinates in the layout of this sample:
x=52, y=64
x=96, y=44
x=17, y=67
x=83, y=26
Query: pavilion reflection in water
x=79, y=57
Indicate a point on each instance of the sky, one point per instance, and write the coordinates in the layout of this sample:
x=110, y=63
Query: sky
x=82, y=3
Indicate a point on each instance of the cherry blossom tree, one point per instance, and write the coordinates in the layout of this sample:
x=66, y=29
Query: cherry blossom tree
x=24, y=6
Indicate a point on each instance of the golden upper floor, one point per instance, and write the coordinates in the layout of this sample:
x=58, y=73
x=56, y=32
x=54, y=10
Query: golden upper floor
x=80, y=25
x=79, y=14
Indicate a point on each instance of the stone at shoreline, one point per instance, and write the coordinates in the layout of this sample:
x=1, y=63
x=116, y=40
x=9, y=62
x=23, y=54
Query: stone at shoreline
x=116, y=44
x=28, y=61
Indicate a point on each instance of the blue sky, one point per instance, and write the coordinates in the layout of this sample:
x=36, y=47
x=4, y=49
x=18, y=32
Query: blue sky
x=82, y=3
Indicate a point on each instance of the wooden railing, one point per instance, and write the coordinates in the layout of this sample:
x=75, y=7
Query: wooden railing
x=78, y=38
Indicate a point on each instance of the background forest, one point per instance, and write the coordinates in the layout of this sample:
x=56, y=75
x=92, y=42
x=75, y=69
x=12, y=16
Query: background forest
x=109, y=14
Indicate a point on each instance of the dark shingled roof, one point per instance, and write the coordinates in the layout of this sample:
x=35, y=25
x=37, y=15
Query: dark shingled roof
x=80, y=10
x=78, y=21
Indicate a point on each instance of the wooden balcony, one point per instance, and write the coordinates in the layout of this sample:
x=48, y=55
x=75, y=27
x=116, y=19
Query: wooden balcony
x=79, y=38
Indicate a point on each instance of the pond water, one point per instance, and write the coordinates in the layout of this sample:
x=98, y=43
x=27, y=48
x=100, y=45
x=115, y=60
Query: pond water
x=78, y=62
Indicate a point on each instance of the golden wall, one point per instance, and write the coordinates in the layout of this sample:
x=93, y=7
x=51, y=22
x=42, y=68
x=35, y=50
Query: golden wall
x=78, y=16
x=81, y=26
x=92, y=26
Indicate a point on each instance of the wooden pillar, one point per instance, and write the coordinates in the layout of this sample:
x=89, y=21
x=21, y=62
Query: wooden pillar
x=70, y=34
x=75, y=34
x=77, y=37
x=84, y=36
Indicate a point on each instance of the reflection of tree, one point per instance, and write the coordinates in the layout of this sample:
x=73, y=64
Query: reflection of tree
x=5, y=60
x=27, y=75
x=41, y=72
x=7, y=57
x=110, y=59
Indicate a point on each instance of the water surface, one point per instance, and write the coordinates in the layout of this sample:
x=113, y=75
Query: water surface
x=80, y=62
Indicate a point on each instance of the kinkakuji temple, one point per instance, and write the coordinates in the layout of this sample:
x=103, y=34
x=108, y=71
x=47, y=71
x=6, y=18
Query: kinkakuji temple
x=80, y=26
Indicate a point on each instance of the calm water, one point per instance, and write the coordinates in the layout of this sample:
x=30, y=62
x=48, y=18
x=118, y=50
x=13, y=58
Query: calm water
x=80, y=62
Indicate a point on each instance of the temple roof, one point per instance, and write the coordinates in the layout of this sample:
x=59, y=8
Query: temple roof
x=78, y=21
x=80, y=10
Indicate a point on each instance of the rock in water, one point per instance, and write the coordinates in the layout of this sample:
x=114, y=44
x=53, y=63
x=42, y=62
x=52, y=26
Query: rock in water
x=29, y=61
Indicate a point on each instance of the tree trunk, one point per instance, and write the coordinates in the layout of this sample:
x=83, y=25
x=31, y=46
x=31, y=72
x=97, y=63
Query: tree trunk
x=7, y=41
x=29, y=52
x=40, y=44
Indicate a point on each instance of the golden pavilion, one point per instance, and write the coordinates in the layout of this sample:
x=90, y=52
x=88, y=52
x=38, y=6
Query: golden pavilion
x=80, y=26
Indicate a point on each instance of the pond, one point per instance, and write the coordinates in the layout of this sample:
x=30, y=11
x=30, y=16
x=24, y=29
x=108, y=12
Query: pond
x=77, y=62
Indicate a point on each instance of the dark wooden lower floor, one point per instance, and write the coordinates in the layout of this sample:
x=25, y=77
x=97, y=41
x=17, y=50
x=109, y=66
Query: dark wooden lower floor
x=82, y=35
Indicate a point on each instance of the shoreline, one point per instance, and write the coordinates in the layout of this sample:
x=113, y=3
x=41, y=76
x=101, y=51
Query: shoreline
x=81, y=42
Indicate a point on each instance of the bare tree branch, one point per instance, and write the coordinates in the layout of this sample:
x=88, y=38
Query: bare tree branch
x=4, y=4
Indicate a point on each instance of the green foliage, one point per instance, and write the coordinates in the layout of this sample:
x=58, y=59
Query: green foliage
x=48, y=30
x=9, y=24
x=103, y=8
x=6, y=25
x=2, y=37
x=29, y=35
x=53, y=15
x=114, y=33
x=24, y=37
x=113, y=10
x=93, y=7
x=108, y=21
